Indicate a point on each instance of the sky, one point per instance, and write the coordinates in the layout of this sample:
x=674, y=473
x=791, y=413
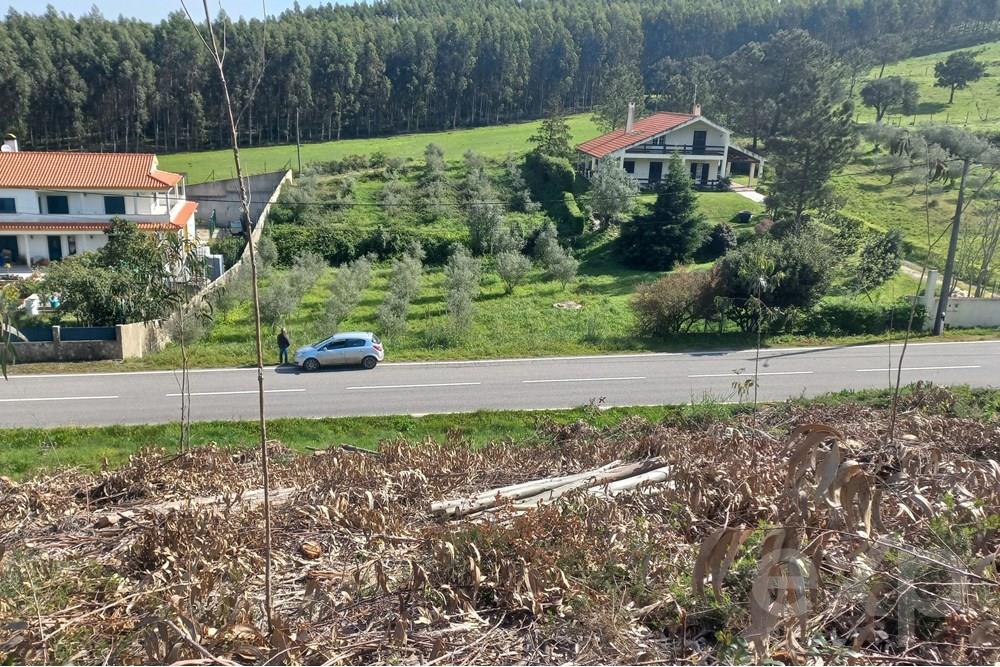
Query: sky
x=154, y=10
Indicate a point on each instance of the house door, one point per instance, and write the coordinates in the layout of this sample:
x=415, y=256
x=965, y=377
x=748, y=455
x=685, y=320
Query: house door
x=655, y=172
x=700, y=137
x=694, y=171
x=704, y=173
x=55, y=248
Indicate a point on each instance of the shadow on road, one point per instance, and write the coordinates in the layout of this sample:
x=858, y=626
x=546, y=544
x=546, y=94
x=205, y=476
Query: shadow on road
x=292, y=369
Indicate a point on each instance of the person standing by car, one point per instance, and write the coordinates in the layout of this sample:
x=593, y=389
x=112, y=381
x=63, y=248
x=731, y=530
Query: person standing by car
x=283, y=344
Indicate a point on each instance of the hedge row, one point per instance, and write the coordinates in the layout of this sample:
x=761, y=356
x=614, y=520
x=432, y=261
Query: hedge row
x=340, y=243
x=550, y=180
x=843, y=317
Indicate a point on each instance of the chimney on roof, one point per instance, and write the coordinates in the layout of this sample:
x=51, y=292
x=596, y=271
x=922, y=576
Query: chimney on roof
x=695, y=109
x=9, y=143
x=630, y=120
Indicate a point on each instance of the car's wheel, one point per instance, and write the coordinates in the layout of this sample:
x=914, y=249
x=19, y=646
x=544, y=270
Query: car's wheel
x=369, y=363
x=311, y=365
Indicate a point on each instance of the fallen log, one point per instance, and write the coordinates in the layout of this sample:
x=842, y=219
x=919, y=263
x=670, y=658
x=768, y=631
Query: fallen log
x=530, y=495
x=614, y=481
x=249, y=499
x=486, y=499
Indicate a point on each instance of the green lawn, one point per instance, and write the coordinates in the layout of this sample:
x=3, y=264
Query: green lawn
x=493, y=142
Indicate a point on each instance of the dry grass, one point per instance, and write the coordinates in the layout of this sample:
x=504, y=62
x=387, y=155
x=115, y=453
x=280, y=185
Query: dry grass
x=96, y=568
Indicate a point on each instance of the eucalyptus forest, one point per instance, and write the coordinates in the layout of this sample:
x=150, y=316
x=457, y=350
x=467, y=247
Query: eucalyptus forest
x=415, y=65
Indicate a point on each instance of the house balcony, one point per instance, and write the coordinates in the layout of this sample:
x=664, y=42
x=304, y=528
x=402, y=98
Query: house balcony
x=711, y=184
x=679, y=149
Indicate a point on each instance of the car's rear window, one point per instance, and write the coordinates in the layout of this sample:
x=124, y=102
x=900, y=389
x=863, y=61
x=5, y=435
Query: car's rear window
x=376, y=340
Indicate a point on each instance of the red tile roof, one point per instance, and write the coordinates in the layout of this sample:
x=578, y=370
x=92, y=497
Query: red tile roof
x=68, y=224
x=83, y=171
x=643, y=129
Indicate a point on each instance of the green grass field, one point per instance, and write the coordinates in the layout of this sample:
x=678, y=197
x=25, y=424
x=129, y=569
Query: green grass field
x=977, y=107
x=493, y=142
x=869, y=196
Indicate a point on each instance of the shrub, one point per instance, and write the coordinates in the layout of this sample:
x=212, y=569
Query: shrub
x=346, y=291
x=305, y=270
x=267, y=253
x=853, y=317
x=720, y=240
x=551, y=181
x=484, y=221
x=675, y=302
x=278, y=299
x=788, y=274
x=612, y=193
x=394, y=197
x=462, y=275
x=404, y=283
x=230, y=247
x=512, y=267
x=558, y=263
x=880, y=259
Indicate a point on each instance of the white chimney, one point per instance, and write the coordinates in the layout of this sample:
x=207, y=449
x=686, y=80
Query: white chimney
x=630, y=121
x=696, y=109
x=9, y=144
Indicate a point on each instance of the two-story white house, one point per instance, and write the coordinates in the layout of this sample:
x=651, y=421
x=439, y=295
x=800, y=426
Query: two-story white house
x=644, y=148
x=57, y=204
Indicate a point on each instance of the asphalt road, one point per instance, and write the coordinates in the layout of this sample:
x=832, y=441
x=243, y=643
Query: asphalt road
x=423, y=388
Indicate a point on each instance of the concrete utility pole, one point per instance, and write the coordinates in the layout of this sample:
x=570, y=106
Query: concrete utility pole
x=298, y=141
x=949, y=266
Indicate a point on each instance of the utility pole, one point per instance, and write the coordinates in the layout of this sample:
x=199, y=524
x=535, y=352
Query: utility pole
x=298, y=141
x=949, y=266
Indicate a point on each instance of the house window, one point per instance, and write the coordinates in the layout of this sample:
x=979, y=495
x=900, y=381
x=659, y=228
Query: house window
x=660, y=140
x=71, y=244
x=114, y=205
x=58, y=204
x=629, y=166
x=7, y=205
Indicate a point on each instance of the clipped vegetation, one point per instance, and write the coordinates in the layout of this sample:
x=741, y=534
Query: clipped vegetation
x=776, y=538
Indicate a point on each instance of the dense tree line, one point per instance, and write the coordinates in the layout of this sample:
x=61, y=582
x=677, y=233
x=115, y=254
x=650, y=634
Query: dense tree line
x=399, y=65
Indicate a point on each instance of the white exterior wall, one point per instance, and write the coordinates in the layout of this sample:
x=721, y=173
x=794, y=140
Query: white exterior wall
x=25, y=201
x=685, y=135
x=136, y=203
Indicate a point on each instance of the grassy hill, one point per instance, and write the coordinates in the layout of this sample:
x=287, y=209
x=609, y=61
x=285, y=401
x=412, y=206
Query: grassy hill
x=492, y=142
x=868, y=195
x=977, y=107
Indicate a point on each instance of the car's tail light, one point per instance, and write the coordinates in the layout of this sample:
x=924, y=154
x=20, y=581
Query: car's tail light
x=377, y=346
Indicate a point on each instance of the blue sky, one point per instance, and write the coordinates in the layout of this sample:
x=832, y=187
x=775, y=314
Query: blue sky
x=154, y=10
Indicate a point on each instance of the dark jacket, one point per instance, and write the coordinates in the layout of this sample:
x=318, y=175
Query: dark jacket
x=283, y=341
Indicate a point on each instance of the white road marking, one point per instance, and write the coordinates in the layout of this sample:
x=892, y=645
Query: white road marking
x=766, y=352
x=630, y=377
x=749, y=374
x=58, y=398
x=233, y=393
x=914, y=368
x=417, y=386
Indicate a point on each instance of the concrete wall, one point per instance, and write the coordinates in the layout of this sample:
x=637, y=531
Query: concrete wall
x=132, y=341
x=961, y=312
x=234, y=271
x=208, y=196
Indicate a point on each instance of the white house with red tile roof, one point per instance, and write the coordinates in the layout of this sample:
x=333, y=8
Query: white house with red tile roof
x=56, y=204
x=644, y=148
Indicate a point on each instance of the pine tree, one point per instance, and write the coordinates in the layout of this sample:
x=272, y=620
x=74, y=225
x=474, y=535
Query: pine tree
x=671, y=232
x=553, y=136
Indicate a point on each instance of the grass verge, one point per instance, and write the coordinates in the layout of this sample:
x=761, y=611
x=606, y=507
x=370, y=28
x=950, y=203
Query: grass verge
x=27, y=451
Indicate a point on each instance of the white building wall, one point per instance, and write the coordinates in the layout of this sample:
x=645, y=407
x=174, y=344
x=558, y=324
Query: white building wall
x=25, y=201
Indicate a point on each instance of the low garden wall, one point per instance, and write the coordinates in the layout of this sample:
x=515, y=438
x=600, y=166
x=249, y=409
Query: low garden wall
x=124, y=341
x=961, y=312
